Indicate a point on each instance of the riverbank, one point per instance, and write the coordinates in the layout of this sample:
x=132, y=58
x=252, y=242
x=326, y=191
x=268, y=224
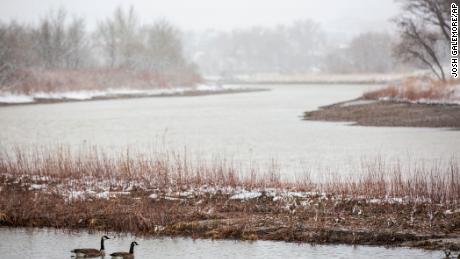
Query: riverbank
x=8, y=99
x=382, y=113
x=295, y=217
x=170, y=196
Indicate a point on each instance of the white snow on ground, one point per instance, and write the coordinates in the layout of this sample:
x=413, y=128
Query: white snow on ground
x=246, y=195
x=10, y=98
x=86, y=188
x=450, y=212
x=72, y=95
x=38, y=186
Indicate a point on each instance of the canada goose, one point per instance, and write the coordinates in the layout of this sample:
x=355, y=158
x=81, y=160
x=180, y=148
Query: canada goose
x=124, y=255
x=91, y=252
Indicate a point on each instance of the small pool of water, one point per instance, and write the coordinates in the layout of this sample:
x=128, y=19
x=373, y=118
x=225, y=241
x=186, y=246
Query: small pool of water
x=53, y=244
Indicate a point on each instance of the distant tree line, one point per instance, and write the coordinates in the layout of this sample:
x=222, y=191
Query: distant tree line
x=59, y=41
x=370, y=52
x=283, y=49
x=301, y=47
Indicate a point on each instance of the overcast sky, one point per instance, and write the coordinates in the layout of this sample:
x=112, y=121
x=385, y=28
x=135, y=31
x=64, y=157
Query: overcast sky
x=334, y=15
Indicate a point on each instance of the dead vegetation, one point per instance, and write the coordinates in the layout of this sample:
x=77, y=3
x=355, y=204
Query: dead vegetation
x=415, y=89
x=61, y=80
x=168, y=194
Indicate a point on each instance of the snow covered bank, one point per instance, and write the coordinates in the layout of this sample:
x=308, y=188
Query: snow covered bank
x=40, y=97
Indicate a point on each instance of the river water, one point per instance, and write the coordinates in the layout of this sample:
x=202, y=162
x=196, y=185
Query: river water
x=51, y=244
x=258, y=127
x=248, y=127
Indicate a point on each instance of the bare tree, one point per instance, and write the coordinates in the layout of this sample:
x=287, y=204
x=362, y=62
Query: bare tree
x=119, y=38
x=60, y=44
x=15, y=52
x=57, y=42
x=371, y=52
x=424, y=26
x=127, y=30
x=163, y=46
x=107, y=38
x=75, y=44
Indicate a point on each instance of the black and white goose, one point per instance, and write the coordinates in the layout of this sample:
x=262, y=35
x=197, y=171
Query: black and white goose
x=125, y=255
x=91, y=252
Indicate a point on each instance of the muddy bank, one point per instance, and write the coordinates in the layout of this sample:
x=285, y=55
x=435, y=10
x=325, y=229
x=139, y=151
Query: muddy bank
x=389, y=114
x=310, y=217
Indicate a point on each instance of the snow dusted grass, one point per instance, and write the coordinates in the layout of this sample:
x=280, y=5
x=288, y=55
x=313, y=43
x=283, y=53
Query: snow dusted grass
x=419, y=90
x=171, y=194
x=93, y=173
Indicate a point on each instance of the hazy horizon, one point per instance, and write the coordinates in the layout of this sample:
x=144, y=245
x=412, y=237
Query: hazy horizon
x=350, y=17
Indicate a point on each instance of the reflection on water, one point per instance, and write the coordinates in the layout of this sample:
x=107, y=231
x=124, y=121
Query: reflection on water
x=50, y=244
x=240, y=127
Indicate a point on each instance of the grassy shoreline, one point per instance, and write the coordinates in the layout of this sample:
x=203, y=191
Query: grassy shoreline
x=171, y=196
x=365, y=112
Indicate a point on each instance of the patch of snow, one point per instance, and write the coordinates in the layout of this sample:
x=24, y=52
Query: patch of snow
x=450, y=212
x=305, y=203
x=395, y=200
x=38, y=186
x=277, y=198
x=186, y=194
x=108, y=194
x=375, y=201
x=39, y=178
x=103, y=195
x=246, y=195
x=71, y=95
x=158, y=228
x=77, y=195
x=11, y=98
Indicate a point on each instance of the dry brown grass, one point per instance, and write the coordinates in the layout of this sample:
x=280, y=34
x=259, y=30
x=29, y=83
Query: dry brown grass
x=92, y=168
x=58, y=80
x=408, y=205
x=415, y=89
